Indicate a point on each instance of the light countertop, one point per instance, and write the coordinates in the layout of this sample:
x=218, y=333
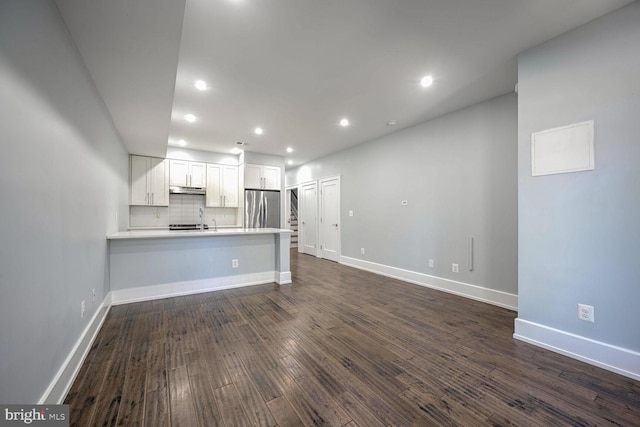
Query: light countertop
x=164, y=233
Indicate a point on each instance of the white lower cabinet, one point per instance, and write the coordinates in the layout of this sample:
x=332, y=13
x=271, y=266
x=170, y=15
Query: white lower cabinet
x=149, y=181
x=222, y=186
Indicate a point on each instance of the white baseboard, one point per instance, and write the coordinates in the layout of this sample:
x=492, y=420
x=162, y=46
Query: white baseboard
x=283, y=278
x=478, y=293
x=612, y=358
x=66, y=375
x=167, y=290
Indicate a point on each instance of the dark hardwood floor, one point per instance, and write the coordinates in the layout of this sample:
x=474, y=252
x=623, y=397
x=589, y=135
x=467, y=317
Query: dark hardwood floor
x=338, y=347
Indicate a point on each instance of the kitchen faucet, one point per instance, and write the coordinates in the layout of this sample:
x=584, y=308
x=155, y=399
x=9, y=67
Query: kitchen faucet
x=215, y=224
x=201, y=219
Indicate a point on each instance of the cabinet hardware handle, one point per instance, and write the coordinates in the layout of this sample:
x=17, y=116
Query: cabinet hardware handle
x=152, y=194
x=147, y=200
x=221, y=201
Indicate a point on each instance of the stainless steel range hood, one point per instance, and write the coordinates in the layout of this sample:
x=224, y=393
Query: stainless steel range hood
x=186, y=190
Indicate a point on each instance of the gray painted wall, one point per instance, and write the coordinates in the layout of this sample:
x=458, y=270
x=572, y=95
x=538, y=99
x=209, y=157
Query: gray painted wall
x=580, y=232
x=137, y=263
x=458, y=174
x=64, y=186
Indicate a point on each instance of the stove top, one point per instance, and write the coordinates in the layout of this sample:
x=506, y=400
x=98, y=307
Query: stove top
x=186, y=227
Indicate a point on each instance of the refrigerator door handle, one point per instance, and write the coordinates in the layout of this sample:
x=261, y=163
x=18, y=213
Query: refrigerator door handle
x=265, y=211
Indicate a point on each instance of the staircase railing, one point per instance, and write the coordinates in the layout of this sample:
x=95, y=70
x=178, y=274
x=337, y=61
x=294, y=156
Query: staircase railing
x=294, y=205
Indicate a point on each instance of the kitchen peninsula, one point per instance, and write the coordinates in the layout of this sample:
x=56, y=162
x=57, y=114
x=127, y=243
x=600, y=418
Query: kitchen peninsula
x=153, y=264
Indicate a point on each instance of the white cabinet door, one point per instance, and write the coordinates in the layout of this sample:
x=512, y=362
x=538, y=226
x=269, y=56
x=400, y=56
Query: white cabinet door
x=252, y=176
x=149, y=181
x=261, y=177
x=138, y=181
x=197, y=174
x=214, y=186
x=271, y=177
x=230, y=186
x=188, y=174
x=222, y=186
x=159, y=181
x=178, y=173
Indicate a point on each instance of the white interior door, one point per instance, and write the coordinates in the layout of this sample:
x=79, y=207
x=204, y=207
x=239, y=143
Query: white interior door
x=309, y=219
x=330, y=219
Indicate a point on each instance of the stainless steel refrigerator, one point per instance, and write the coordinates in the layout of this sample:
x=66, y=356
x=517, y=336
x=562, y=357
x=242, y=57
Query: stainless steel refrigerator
x=261, y=209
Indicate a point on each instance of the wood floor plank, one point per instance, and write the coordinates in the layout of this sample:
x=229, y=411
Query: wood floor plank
x=338, y=346
x=309, y=414
x=357, y=410
x=254, y=405
x=181, y=400
x=323, y=400
x=207, y=411
x=156, y=410
x=108, y=402
x=230, y=406
x=283, y=412
x=377, y=404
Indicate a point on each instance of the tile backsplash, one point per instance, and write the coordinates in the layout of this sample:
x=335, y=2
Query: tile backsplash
x=183, y=209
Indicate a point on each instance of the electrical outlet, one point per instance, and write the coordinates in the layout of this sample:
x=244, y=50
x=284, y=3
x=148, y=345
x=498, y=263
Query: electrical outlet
x=93, y=296
x=361, y=251
x=157, y=215
x=234, y=263
x=431, y=263
x=350, y=213
x=82, y=307
x=455, y=268
x=586, y=313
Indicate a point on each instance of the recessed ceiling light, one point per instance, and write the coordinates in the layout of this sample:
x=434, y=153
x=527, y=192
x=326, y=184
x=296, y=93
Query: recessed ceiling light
x=190, y=118
x=182, y=142
x=201, y=85
x=258, y=131
x=392, y=123
x=290, y=162
x=344, y=122
x=289, y=150
x=426, y=81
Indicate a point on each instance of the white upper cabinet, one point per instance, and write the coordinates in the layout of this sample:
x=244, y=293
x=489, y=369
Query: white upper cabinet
x=230, y=186
x=214, y=186
x=252, y=176
x=187, y=174
x=198, y=174
x=149, y=180
x=271, y=177
x=261, y=177
x=222, y=186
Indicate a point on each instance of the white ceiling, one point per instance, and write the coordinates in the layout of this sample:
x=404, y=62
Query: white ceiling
x=296, y=67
